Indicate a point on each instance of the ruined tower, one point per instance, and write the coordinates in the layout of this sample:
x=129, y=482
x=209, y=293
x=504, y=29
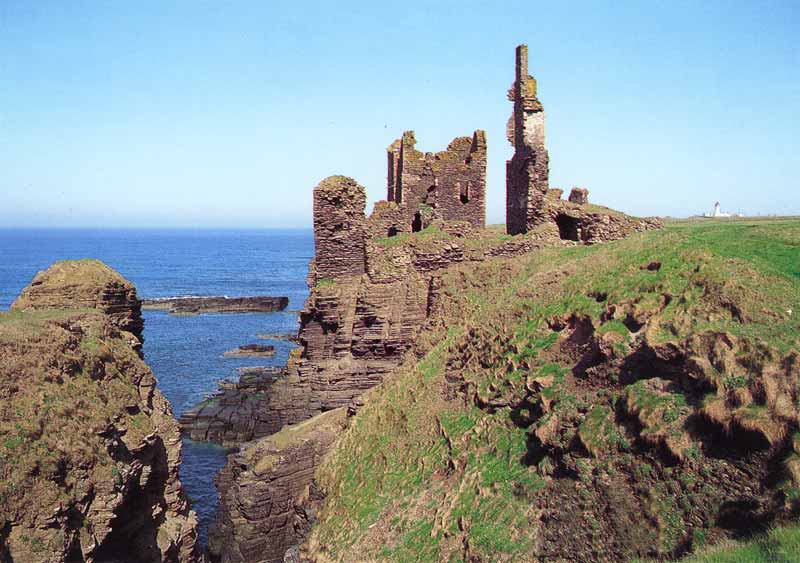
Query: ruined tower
x=527, y=172
x=449, y=184
x=339, y=228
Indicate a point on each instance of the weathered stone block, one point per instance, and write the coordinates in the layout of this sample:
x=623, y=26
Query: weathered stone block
x=579, y=196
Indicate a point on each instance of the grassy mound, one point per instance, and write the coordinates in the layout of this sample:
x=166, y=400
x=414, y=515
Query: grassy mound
x=632, y=399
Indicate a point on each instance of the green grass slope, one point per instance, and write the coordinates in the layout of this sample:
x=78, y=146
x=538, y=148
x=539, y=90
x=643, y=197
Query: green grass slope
x=637, y=399
x=780, y=545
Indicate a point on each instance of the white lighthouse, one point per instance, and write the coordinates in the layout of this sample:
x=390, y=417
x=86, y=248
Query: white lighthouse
x=717, y=212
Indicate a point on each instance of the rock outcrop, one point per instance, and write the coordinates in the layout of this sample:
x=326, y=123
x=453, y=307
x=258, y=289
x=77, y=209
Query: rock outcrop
x=89, y=450
x=238, y=412
x=198, y=305
x=628, y=402
x=264, y=491
x=251, y=351
x=86, y=284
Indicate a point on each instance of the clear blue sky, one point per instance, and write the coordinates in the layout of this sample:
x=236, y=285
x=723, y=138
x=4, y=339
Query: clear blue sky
x=164, y=113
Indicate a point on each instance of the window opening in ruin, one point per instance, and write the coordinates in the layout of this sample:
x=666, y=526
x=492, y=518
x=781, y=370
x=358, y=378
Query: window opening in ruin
x=568, y=227
x=392, y=231
x=416, y=224
x=430, y=196
x=465, y=194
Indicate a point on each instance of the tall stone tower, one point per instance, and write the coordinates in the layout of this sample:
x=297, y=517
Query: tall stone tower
x=527, y=173
x=339, y=228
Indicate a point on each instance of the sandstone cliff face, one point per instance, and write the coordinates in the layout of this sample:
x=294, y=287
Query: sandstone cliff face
x=89, y=451
x=354, y=331
x=356, y=327
x=264, y=489
x=630, y=401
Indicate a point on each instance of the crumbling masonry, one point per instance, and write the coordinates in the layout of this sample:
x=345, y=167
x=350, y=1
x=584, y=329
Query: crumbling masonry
x=527, y=172
x=371, y=297
x=339, y=228
x=422, y=187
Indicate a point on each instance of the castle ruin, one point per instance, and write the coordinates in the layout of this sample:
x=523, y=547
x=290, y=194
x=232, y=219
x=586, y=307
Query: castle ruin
x=339, y=228
x=450, y=184
x=448, y=188
x=527, y=173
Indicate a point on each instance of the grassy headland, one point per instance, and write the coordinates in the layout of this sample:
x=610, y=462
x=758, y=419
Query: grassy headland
x=631, y=399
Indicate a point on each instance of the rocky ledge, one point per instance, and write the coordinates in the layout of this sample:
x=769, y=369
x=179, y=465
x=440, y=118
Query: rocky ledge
x=199, y=305
x=89, y=450
x=266, y=491
x=86, y=284
x=237, y=412
x=251, y=351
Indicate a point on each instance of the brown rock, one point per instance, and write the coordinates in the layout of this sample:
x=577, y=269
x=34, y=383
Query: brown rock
x=579, y=196
x=96, y=450
x=251, y=351
x=85, y=284
x=198, y=305
x=265, y=489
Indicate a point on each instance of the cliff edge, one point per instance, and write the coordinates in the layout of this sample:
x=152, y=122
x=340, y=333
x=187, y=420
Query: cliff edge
x=89, y=450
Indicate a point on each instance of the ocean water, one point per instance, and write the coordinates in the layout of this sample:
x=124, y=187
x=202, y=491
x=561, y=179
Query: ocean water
x=184, y=352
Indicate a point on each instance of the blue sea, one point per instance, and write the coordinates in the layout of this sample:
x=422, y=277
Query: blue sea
x=185, y=352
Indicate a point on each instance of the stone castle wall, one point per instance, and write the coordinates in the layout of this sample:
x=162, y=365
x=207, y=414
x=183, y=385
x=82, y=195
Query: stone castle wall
x=449, y=185
x=339, y=228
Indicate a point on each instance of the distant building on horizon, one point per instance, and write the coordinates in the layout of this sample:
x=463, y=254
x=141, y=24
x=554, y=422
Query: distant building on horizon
x=719, y=213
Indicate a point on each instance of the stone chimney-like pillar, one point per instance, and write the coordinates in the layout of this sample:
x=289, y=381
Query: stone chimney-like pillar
x=527, y=173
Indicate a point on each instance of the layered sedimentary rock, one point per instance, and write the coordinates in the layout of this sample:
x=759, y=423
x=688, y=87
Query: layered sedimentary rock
x=374, y=286
x=251, y=351
x=265, y=492
x=354, y=331
x=90, y=451
x=527, y=173
x=197, y=305
x=85, y=284
x=237, y=412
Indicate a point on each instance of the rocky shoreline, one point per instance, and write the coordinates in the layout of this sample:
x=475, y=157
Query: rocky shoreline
x=200, y=305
